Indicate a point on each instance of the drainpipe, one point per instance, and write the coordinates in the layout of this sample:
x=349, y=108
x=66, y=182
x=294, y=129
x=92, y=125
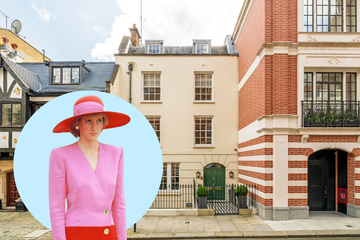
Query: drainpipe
x=131, y=65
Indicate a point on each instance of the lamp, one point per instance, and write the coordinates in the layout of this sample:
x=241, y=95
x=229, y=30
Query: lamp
x=198, y=174
x=231, y=174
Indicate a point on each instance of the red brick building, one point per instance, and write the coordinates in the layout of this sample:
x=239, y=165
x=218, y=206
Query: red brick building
x=299, y=113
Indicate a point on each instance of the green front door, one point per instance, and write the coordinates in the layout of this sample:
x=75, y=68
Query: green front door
x=214, y=180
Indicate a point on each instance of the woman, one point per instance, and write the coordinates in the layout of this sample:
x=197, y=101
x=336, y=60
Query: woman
x=89, y=175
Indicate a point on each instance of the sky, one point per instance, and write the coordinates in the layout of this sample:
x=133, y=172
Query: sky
x=91, y=30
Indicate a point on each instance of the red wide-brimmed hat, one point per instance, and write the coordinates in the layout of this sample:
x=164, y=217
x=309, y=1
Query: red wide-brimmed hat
x=88, y=105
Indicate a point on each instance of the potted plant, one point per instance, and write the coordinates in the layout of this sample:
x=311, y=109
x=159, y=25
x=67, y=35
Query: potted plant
x=241, y=192
x=5, y=40
x=20, y=206
x=202, y=192
x=232, y=194
x=14, y=46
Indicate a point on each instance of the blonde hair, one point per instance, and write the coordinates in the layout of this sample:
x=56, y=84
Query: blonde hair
x=75, y=122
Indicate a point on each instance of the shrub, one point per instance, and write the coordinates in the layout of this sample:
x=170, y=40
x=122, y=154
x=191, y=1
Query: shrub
x=241, y=190
x=202, y=191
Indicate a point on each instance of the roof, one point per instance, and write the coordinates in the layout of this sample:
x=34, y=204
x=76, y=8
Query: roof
x=228, y=49
x=30, y=79
x=95, y=79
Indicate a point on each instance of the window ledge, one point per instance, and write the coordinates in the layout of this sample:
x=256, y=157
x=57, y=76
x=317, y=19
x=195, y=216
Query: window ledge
x=203, y=146
x=169, y=192
x=146, y=102
x=204, y=102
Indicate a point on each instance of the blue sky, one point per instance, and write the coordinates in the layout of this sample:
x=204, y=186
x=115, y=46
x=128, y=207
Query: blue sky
x=92, y=29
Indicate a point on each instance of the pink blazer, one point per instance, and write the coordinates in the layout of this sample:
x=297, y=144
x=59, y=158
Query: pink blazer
x=93, y=198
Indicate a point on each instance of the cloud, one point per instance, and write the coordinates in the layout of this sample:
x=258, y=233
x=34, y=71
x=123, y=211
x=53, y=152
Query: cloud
x=44, y=14
x=98, y=29
x=85, y=15
x=177, y=23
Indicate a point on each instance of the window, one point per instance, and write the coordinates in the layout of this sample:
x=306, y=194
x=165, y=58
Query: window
x=308, y=86
x=66, y=75
x=153, y=48
x=151, y=87
x=330, y=15
x=203, y=87
x=170, y=178
x=351, y=91
x=329, y=87
x=10, y=114
x=203, y=131
x=201, y=48
x=155, y=123
x=308, y=15
x=351, y=15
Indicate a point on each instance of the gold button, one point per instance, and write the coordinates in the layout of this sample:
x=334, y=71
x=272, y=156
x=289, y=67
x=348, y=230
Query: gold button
x=106, y=231
x=106, y=212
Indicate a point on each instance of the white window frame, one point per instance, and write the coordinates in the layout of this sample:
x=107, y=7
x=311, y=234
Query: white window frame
x=212, y=131
x=344, y=15
x=168, y=178
x=153, y=45
x=143, y=87
x=156, y=130
x=201, y=44
x=212, y=86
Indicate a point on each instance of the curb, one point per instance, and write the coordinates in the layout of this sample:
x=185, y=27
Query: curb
x=257, y=234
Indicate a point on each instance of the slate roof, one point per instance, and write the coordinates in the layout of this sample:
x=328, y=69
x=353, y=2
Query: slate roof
x=30, y=79
x=99, y=72
x=228, y=49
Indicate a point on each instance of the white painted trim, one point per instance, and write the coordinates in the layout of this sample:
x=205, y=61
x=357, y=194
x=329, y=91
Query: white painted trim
x=298, y=170
x=241, y=19
x=256, y=146
x=357, y=195
x=297, y=195
x=357, y=183
x=256, y=158
x=251, y=69
x=256, y=180
x=357, y=158
x=249, y=132
x=357, y=170
x=256, y=169
x=297, y=158
x=298, y=183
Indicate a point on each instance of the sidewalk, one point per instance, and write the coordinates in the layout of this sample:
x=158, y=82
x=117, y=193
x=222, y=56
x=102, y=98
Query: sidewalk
x=23, y=226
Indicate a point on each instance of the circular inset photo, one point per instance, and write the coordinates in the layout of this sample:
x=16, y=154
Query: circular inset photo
x=88, y=163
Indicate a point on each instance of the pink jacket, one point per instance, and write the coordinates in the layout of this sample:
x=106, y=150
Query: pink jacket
x=93, y=198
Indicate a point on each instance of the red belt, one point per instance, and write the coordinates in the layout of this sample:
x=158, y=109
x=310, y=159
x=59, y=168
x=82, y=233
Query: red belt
x=91, y=233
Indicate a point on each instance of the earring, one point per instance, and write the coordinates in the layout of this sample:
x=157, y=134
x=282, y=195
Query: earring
x=77, y=127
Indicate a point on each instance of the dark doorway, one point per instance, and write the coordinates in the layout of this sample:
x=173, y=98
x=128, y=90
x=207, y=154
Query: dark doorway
x=321, y=181
x=12, y=192
x=322, y=184
x=342, y=181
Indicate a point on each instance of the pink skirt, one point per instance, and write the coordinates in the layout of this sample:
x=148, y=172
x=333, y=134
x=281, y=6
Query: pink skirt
x=91, y=233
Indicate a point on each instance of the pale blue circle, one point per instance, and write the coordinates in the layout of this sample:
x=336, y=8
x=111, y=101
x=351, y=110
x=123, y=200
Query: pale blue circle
x=142, y=155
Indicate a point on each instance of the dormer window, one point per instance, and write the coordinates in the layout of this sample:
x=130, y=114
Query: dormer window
x=66, y=75
x=154, y=48
x=201, y=48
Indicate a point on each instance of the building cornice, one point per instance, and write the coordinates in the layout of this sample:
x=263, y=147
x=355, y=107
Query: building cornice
x=241, y=19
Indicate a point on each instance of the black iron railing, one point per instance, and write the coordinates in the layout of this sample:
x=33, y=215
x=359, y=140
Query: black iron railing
x=330, y=113
x=181, y=196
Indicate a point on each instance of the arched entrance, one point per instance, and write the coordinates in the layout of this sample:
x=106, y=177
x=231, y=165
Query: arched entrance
x=327, y=178
x=214, y=179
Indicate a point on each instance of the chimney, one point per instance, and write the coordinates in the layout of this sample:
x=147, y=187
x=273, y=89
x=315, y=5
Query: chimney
x=135, y=36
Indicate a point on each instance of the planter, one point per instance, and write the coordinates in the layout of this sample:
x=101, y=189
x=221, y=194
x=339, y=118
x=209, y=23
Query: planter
x=242, y=201
x=5, y=40
x=202, y=201
x=20, y=207
x=231, y=195
x=14, y=46
x=0, y=204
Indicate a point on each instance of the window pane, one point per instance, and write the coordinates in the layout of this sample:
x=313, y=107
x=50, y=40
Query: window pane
x=16, y=114
x=56, y=75
x=6, y=115
x=175, y=176
x=75, y=75
x=203, y=127
x=163, y=184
